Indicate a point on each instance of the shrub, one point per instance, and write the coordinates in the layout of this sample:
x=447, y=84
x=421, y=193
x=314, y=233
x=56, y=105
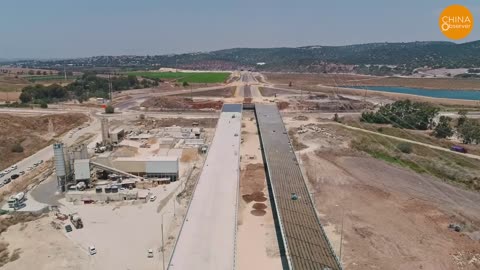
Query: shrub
x=17, y=148
x=404, y=147
x=185, y=84
x=109, y=109
x=43, y=105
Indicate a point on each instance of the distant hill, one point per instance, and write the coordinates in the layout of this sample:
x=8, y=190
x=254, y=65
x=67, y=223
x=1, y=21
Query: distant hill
x=364, y=58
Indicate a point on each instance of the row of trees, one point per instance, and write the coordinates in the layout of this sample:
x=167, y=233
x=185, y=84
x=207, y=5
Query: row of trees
x=403, y=114
x=420, y=116
x=43, y=94
x=85, y=87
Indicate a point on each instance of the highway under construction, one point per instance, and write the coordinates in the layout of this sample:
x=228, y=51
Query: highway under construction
x=302, y=238
x=207, y=237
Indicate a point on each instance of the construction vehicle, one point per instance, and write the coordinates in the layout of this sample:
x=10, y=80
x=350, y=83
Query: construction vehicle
x=16, y=200
x=76, y=221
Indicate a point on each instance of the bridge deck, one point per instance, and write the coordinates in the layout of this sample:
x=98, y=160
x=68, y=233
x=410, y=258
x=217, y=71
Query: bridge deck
x=305, y=242
x=207, y=237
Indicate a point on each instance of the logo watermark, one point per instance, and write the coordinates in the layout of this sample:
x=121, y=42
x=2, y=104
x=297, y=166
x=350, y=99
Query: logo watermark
x=456, y=22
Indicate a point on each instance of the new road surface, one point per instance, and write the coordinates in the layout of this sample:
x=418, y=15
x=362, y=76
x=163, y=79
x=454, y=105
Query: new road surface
x=207, y=237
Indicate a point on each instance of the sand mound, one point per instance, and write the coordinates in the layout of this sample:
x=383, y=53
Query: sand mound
x=259, y=206
x=258, y=213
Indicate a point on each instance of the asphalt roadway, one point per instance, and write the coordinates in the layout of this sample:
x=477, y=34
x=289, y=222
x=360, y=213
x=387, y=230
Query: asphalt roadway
x=207, y=237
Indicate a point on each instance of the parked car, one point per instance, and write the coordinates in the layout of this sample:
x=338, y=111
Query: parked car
x=92, y=250
x=68, y=228
x=150, y=253
x=153, y=198
x=459, y=149
x=6, y=181
x=14, y=176
x=22, y=173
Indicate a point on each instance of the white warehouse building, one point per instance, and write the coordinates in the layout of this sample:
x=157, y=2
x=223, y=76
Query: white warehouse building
x=149, y=167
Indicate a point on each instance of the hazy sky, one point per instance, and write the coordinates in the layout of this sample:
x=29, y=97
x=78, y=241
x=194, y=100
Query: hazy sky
x=72, y=28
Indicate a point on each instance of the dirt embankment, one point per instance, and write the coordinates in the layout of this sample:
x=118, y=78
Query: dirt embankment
x=179, y=103
x=223, y=92
x=390, y=217
x=151, y=123
x=32, y=133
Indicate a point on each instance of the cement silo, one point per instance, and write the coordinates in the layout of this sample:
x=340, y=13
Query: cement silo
x=61, y=166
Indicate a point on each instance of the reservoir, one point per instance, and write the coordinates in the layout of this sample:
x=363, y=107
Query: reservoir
x=435, y=93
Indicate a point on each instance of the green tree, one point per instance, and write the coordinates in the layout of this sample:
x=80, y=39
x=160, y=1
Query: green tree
x=185, y=84
x=462, y=118
x=109, y=109
x=25, y=97
x=404, y=114
x=469, y=131
x=443, y=128
x=43, y=104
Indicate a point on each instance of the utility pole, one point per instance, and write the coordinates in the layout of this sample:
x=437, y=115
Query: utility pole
x=341, y=236
x=110, y=88
x=163, y=248
x=64, y=73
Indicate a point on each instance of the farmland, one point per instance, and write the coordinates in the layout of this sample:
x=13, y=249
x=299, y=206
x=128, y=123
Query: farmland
x=191, y=77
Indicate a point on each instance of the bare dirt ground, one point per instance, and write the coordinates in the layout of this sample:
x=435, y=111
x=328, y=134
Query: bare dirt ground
x=10, y=87
x=9, y=96
x=32, y=133
x=392, y=218
x=257, y=245
x=299, y=79
x=271, y=92
x=179, y=103
x=151, y=123
x=163, y=87
x=38, y=245
x=226, y=92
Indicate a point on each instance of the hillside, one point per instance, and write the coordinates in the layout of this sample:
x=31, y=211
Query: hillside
x=386, y=57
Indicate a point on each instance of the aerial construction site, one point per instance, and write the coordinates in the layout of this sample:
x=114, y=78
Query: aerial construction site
x=259, y=172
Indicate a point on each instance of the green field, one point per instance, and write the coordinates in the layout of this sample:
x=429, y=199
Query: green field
x=191, y=77
x=48, y=78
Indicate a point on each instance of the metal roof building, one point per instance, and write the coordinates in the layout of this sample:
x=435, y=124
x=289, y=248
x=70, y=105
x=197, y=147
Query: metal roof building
x=150, y=167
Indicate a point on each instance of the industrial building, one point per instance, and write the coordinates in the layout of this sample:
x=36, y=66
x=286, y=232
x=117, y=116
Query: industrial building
x=149, y=167
x=116, y=135
x=82, y=169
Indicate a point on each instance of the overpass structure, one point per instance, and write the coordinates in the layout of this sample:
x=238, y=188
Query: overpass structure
x=303, y=240
x=207, y=238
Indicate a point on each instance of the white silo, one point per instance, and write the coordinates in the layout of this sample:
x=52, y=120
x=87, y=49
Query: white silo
x=61, y=166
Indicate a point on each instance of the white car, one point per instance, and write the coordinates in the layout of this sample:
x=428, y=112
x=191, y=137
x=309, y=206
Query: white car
x=153, y=198
x=92, y=250
x=150, y=253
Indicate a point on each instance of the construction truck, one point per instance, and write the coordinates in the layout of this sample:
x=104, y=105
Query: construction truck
x=76, y=221
x=16, y=200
